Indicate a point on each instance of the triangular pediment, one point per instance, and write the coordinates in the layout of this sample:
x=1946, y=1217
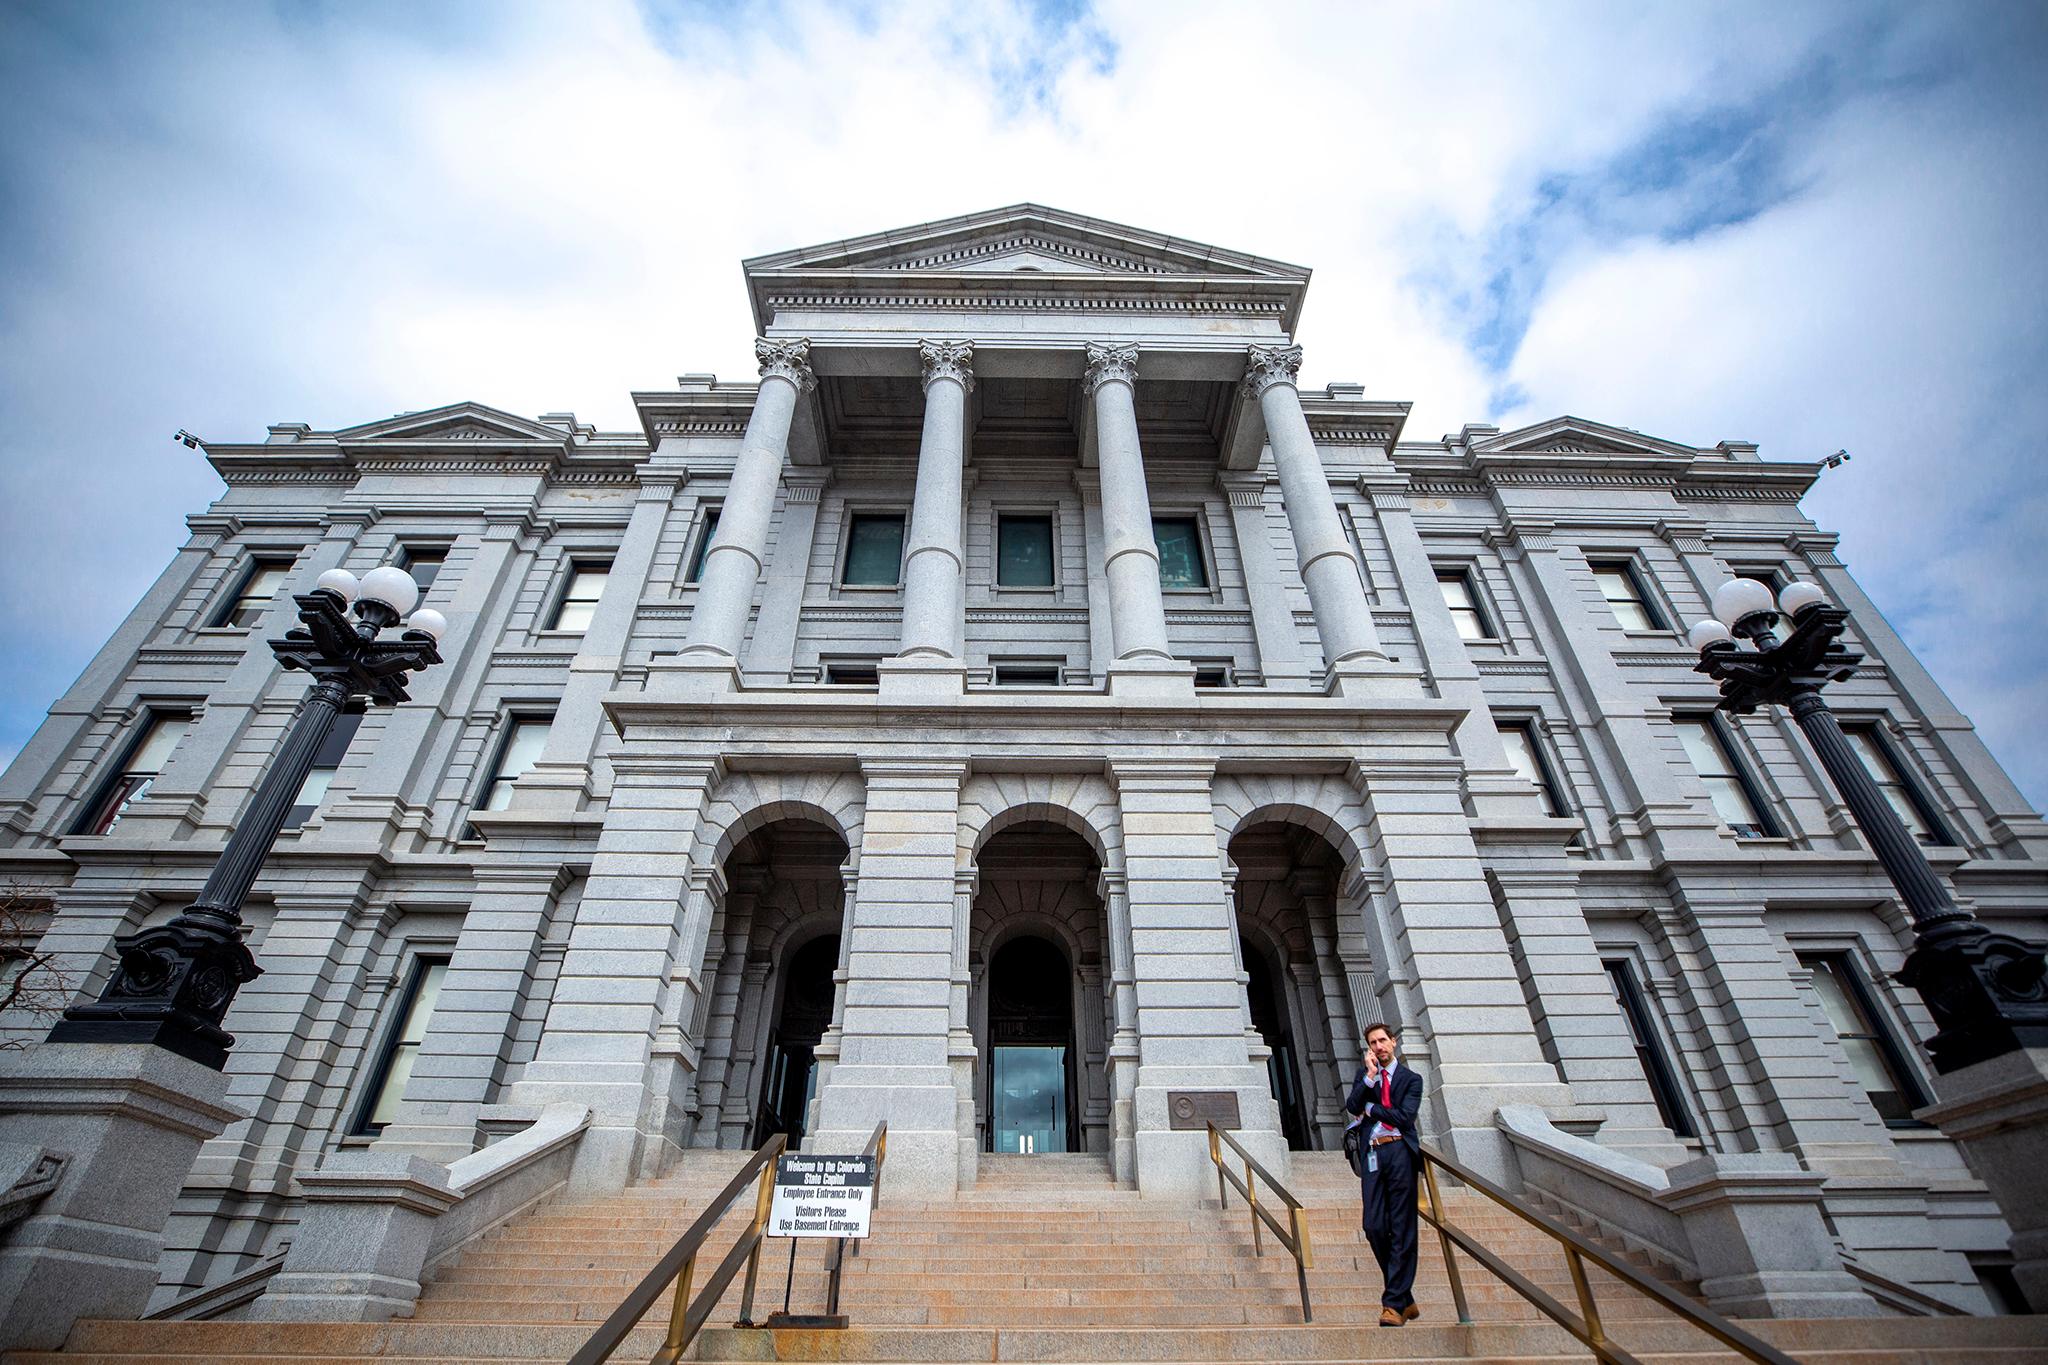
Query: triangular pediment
x=468, y=424
x=1577, y=436
x=1025, y=237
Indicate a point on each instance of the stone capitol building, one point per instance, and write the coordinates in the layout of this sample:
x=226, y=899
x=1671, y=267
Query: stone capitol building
x=1029, y=713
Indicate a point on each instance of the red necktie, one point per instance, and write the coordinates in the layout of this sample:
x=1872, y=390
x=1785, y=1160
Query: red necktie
x=1387, y=1089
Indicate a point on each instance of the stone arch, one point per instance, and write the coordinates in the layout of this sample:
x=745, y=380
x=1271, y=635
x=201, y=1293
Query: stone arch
x=1327, y=805
x=1083, y=803
x=745, y=802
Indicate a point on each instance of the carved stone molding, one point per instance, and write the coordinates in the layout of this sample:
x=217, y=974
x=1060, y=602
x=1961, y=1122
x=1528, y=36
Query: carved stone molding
x=1111, y=364
x=1270, y=365
x=789, y=360
x=952, y=360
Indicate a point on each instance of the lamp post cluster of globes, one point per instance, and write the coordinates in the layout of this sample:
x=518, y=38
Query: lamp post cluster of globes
x=173, y=984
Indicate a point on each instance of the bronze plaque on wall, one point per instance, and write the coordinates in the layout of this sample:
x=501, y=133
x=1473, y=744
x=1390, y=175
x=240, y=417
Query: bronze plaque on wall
x=1199, y=1108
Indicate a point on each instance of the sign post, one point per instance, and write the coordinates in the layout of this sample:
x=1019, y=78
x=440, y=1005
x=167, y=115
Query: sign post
x=819, y=1196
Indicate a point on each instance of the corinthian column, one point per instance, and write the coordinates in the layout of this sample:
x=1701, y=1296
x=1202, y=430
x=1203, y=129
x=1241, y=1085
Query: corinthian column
x=933, y=593
x=1329, y=569
x=725, y=590
x=1137, y=612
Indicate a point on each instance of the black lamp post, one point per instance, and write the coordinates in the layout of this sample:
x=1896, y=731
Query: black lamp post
x=173, y=984
x=1987, y=991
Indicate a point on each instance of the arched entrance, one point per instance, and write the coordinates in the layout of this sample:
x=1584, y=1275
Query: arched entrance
x=792, y=1043
x=1295, y=988
x=1031, y=1049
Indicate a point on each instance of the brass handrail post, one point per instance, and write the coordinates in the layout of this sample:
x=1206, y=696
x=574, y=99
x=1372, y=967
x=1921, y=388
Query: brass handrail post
x=1596, y=1338
x=679, y=1312
x=1436, y=1215
x=761, y=1202
x=1303, y=1259
x=1216, y=1158
x=1251, y=1199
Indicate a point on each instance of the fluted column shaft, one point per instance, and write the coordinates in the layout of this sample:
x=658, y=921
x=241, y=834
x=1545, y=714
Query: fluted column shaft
x=1329, y=568
x=732, y=566
x=1137, y=612
x=934, y=570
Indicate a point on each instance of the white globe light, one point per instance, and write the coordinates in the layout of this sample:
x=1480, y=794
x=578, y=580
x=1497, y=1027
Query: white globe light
x=391, y=586
x=1797, y=597
x=1704, y=633
x=427, y=621
x=340, y=582
x=1739, y=598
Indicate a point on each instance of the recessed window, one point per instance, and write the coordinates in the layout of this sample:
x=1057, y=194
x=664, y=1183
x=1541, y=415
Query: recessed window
x=1027, y=673
x=144, y=758
x=853, y=673
x=580, y=595
x=1524, y=754
x=1642, y=1031
x=874, y=550
x=1626, y=597
x=1023, y=552
x=314, y=789
x=1180, y=553
x=402, y=1049
x=1456, y=585
x=521, y=749
x=704, y=534
x=1873, y=1055
x=260, y=585
x=1915, y=811
x=1734, y=795
x=424, y=563
x=1212, y=672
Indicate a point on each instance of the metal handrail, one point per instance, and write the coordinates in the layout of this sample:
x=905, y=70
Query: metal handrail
x=1294, y=1237
x=687, y=1315
x=1586, y=1326
x=878, y=1148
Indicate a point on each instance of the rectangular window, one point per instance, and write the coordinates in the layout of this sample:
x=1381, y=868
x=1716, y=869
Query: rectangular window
x=1519, y=737
x=1874, y=1057
x=874, y=551
x=261, y=583
x=704, y=534
x=424, y=563
x=579, y=598
x=1456, y=585
x=1664, y=1088
x=1212, y=672
x=1180, y=553
x=1626, y=596
x=1915, y=812
x=1027, y=672
x=144, y=759
x=853, y=673
x=1024, y=552
x=1734, y=798
x=394, y=1068
x=314, y=789
x=521, y=749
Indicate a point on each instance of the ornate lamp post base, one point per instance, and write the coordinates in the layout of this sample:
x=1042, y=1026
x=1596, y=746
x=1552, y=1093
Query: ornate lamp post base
x=170, y=988
x=1988, y=991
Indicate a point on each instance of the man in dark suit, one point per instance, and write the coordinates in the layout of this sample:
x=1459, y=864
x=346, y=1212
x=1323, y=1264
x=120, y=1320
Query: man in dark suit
x=1387, y=1097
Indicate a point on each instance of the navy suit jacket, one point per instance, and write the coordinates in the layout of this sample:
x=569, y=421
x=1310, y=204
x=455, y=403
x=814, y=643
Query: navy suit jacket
x=1402, y=1116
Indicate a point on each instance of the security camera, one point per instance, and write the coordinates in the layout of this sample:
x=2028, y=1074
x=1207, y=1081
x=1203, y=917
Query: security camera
x=1838, y=459
x=190, y=441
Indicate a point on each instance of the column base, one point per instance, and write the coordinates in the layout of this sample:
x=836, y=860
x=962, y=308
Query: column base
x=1364, y=676
x=1151, y=678
x=1997, y=1110
x=1173, y=1163
x=693, y=675
x=921, y=679
x=921, y=1104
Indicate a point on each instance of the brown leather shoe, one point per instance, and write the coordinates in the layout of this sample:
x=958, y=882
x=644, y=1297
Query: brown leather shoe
x=1391, y=1317
x=1410, y=1313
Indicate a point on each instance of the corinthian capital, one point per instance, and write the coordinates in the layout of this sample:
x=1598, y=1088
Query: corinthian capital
x=789, y=360
x=952, y=360
x=1109, y=364
x=1270, y=365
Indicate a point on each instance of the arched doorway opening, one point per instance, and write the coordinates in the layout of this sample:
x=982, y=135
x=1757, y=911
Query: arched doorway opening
x=1031, y=1049
x=1039, y=997
x=770, y=960
x=792, y=1080
x=1296, y=993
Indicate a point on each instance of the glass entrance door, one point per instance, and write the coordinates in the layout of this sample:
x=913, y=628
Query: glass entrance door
x=1030, y=1099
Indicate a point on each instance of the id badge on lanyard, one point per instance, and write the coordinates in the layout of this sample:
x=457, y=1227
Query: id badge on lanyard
x=1372, y=1158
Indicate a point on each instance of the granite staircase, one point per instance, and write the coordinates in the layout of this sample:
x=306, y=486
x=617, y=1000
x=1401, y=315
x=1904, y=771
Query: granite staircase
x=1044, y=1260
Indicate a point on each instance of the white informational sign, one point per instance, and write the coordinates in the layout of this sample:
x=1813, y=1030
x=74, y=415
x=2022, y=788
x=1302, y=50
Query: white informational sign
x=822, y=1196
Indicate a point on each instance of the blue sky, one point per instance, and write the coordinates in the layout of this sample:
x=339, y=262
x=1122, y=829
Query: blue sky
x=1811, y=226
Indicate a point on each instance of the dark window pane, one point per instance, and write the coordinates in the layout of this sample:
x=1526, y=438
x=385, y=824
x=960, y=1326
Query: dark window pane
x=1724, y=781
x=145, y=758
x=424, y=564
x=522, y=749
x=1626, y=597
x=1873, y=1057
x=263, y=581
x=1024, y=552
x=874, y=551
x=1026, y=674
x=395, y=1068
x=703, y=545
x=1649, y=1049
x=1180, y=553
x=1463, y=604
